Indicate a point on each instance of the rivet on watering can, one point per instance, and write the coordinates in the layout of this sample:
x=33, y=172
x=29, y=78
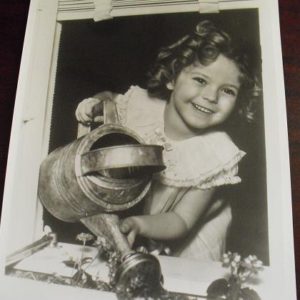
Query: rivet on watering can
x=168, y=147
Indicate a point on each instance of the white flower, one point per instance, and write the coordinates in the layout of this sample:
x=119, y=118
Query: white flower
x=236, y=258
x=258, y=264
x=84, y=237
x=226, y=259
x=241, y=269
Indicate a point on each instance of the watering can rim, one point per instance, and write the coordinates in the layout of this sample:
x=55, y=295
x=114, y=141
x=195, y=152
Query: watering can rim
x=127, y=146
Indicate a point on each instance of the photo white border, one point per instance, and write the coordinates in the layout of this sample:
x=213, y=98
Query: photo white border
x=31, y=126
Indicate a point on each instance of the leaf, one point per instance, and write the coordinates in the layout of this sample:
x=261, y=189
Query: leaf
x=89, y=282
x=218, y=288
x=86, y=260
x=77, y=278
x=249, y=294
x=70, y=263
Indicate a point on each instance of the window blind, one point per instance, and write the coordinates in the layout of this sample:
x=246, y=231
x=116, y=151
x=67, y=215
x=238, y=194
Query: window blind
x=85, y=9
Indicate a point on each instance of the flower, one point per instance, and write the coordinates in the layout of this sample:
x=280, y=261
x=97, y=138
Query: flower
x=249, y=266
x=102, y=243
x=226, y=259
x=233, y=287
x=84, y=237
x=241, y=268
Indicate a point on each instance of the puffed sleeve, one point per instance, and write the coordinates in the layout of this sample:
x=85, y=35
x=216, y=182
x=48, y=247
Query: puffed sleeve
x=224, y=177
x=137, y=111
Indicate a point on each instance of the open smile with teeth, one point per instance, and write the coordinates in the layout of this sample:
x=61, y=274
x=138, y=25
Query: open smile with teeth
x=202, y=109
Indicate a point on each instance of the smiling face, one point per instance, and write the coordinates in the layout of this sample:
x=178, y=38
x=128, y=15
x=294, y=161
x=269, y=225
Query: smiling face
x=202, y=97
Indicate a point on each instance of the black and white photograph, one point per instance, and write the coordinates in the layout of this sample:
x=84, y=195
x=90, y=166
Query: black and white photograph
x=148, y=154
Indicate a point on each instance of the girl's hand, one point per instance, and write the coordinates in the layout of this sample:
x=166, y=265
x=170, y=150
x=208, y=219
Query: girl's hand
x=88, y=110
x=130, y=226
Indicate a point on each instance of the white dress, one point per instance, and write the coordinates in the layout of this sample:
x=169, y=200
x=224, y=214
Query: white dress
x=203, y=162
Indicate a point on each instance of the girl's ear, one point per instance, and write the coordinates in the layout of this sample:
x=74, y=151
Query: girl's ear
x=170, y=85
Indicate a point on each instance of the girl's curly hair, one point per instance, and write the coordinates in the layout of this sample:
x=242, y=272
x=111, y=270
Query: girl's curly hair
x=204, y=45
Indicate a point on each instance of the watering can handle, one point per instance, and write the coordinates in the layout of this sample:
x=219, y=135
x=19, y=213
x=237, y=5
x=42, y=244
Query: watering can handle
x=127, y=156
x=110, y=116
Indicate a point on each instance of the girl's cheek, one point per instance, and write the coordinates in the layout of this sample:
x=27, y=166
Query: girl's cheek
x=195, y=91
x=228, y=99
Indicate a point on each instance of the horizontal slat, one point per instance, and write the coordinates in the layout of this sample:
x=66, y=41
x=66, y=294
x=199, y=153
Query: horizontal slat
x=138, y=2
x=123, y=4
x=73, y=5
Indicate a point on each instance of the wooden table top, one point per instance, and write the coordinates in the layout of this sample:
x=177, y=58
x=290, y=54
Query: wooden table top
x=12, y=29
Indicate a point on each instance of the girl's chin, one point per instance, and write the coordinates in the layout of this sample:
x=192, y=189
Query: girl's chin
x=200, y=128
x=199, y=125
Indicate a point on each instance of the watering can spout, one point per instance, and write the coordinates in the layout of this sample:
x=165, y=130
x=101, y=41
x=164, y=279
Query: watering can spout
x=107, y=225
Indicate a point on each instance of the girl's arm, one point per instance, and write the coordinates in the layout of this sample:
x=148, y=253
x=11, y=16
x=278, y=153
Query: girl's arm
x=90, y=108
x=170, y=225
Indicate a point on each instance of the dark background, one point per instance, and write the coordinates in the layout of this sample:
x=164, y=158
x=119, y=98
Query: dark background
x=12, y=28
x=114, y=54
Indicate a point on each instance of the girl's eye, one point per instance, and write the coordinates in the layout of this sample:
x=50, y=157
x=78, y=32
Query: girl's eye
x=229, y=91
x=200, y=80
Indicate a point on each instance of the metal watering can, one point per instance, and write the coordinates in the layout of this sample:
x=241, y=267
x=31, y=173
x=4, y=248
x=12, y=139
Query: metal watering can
x=107, y=170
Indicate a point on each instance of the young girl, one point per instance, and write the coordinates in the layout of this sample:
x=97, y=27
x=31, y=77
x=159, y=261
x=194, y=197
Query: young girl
x=196, y=86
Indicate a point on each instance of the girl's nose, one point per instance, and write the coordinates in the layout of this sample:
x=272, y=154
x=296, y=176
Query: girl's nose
x=210, y=94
